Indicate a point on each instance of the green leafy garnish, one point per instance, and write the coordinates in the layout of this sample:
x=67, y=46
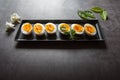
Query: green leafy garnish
x=73, y=33
x=86, y=14
x=67, y=33
x=63, y=28
x=97, y=9
x=104, y=15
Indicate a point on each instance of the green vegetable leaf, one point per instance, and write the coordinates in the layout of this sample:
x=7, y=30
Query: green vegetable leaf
x=104, y=15
x=89, y=14
x=86, y=14
x=97, y=9
x=82, y=15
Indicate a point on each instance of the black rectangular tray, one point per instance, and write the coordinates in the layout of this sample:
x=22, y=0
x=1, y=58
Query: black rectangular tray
x=58, y=37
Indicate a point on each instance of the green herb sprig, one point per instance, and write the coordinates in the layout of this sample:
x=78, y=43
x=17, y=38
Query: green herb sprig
x=67, y=33
x=63, y=28
x=73, y=33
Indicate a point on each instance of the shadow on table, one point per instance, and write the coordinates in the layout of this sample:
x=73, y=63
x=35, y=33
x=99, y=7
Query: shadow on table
x=61, y=45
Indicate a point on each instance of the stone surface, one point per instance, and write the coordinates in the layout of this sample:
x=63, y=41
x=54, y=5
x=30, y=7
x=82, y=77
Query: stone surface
x=59, y=61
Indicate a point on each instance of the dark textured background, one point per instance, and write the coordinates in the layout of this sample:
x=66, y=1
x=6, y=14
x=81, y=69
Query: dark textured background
x=52, y=61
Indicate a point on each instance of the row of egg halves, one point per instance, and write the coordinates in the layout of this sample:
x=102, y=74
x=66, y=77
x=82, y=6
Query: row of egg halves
x=39, y=29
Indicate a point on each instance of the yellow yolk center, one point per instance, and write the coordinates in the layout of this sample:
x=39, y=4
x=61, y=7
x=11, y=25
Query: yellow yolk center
x=90, y=29
x=27, y=27
x=78, y=28
x=38, y=28
x=50, y=28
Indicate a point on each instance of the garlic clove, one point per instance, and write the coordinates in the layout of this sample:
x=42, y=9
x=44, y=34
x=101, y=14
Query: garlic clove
x=15, y=18
x=9, y=26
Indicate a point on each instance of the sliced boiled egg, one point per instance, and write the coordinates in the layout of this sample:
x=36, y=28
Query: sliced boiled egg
x=63, y=28
x=90, y=29
x=77, y=28
x=50, y=28
x=26, y=28
x=39, y=29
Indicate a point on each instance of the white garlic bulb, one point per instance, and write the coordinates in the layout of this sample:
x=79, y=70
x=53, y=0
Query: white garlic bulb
x=9, y=26
x=15, y=18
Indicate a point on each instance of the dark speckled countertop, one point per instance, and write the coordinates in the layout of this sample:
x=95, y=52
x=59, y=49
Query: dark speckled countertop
x=52, y=61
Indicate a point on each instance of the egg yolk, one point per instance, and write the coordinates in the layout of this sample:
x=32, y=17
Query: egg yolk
x=64, y=27
x=78, y=28
x=90, y=29
x=27, y=27
x=38, y=28
x=50, y=28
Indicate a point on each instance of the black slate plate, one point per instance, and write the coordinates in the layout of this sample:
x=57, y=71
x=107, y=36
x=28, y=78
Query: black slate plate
x=58, y=37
